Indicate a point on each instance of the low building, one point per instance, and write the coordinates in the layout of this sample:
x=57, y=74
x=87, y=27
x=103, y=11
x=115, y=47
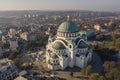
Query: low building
x=11, y=33
x=22, y=73
x=13, y=44
x=28, y=36
x=3, y=38
x=118, y=55
x=24, y=36
x=0, y=31
x=32, y=36
x=20, y=78
x=1, y=52
x=97, y=27
x=8, y=71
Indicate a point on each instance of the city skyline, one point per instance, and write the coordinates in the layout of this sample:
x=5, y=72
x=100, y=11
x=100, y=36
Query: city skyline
x=94, y=5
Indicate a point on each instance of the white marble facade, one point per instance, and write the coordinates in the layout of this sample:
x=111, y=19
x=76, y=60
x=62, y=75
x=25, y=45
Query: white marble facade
x=67, y=49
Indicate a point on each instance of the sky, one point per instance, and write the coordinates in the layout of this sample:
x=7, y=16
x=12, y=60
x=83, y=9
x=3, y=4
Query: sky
x=94, y=5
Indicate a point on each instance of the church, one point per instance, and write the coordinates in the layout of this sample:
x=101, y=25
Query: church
x=67, y=48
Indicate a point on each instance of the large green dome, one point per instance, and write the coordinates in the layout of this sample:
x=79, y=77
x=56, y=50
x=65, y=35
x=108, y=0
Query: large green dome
x=58, y=45
x=68, y=26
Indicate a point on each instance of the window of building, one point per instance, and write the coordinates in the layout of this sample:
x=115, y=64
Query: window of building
x=70, y=46
x=81, y=58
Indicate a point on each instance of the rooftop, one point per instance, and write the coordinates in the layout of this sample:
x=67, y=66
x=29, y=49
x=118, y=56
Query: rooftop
x=58, y=45
x=20, y=78
x=5, y=64
x=68, y=26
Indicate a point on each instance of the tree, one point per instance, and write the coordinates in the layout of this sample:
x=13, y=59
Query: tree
x=101, y=78
x=88, y=69
x=112, y=70
x=109, y=75
x=71, y=74
x=106, y=66
x=94, y=76
x=83, y=71
x=115, y=74
x=99, y=37
x=112, y=64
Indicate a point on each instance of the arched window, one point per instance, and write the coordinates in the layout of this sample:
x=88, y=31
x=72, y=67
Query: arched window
x=68, y=35
x=81, y=58
x=74, y=34
x=60, y=34
x=70, y=46
x=65, y=34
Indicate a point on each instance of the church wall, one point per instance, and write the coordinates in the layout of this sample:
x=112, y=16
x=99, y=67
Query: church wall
x=47, y=57
x=68, y=40
x=61, y=62
x=79, y=62
x=89, y=57
x=65, y=63
x=55, y=67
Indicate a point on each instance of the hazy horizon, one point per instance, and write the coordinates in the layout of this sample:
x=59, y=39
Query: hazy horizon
x=92, y=5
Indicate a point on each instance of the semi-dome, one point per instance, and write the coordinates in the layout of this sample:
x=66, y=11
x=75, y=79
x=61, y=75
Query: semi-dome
x=68, y=26
x=82, y=44
x=53, y=55
x=58, y=45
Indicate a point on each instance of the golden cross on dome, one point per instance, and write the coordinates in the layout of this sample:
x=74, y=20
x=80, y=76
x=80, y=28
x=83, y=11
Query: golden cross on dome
x=68, y=18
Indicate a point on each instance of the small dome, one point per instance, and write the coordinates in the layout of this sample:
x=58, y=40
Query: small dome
x=68, y=26
x=58, y=45
x=53, y=55
x=77, y=40
x=82, y=44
